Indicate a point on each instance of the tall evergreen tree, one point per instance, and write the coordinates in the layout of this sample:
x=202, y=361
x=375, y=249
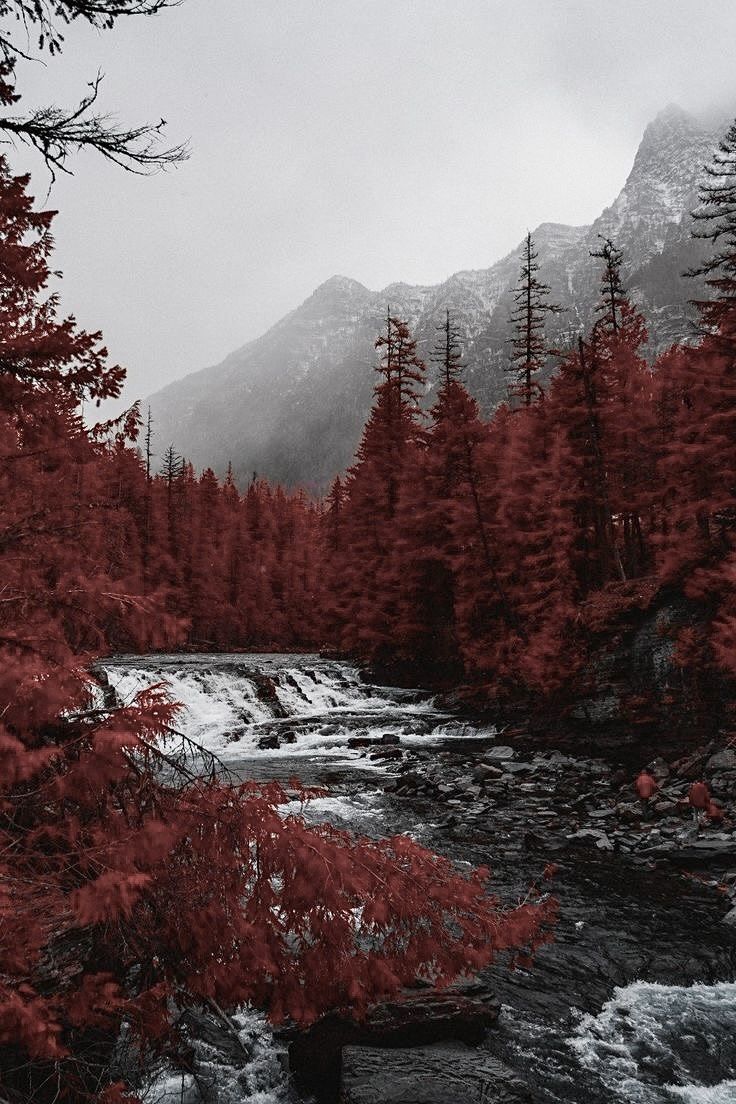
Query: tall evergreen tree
x=612, y=291
x=392, y=432
x=715, y=221
x=447, y=353
x=531, y=305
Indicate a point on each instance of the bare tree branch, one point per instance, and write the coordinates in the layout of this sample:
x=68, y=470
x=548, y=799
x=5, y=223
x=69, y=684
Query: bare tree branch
x=55, y=133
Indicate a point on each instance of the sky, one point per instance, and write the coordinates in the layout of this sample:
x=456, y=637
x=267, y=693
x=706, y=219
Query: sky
x=379, y=139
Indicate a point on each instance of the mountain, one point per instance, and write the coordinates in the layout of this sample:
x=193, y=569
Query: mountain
x=291, y=404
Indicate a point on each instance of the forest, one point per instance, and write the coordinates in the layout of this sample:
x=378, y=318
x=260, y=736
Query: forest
x=493, y=555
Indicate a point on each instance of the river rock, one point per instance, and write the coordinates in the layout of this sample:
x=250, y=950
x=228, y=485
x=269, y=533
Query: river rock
x=421, y=1019
x=387, y=753
x=269, y=743
x=266, y=692
x=659, y=768
x=591, y=836
x=428, y=1075
x=499, y=753
x=629, y=813
x=485, y=772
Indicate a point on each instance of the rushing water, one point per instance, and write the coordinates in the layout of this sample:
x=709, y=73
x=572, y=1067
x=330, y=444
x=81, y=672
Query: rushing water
x=282, y=717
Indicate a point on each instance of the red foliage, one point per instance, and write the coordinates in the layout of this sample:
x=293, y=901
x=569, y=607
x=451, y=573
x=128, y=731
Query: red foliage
x=699, y=795
x=124, y=896
x=646, y=786
x=503, y=552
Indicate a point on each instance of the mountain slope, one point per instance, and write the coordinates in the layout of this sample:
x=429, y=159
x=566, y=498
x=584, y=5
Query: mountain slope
x=291, y=404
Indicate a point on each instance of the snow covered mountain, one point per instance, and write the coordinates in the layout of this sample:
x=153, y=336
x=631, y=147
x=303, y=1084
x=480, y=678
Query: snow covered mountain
x=291, y=404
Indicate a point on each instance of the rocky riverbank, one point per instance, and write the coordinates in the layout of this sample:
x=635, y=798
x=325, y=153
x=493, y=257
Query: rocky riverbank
x=560, y=804
x=644, y=894
x=641, y=952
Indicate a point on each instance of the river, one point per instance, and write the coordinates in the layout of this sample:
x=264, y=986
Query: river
x=634, y=1002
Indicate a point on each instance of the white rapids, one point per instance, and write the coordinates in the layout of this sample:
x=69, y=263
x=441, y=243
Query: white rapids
x=657, y=1043
x=263, y=1079
x=310, y=707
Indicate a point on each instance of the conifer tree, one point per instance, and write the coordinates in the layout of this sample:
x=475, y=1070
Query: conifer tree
x=392, y=433
x=612, y=292
x=531, y=305
x=447, y=353
x=333, y=514
x=418, y=573
x=172, y=471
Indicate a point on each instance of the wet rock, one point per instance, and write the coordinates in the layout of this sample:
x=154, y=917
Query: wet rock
x=390, y=738
x=269, y=743
x=428, y=1075
x=387, y=753
x=420, y=1020
x=266, y=692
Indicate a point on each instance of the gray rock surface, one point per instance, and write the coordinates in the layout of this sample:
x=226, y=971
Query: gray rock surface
x=423, y=1018
x=440, y=1074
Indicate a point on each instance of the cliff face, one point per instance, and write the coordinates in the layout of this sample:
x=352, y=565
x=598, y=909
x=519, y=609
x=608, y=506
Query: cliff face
x=291, y=404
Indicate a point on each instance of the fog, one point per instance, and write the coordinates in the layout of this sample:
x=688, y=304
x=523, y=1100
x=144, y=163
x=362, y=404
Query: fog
x=380, y=140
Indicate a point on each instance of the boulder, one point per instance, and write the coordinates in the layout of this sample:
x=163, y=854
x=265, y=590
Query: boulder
x=387, y=753
x=269, y=743
x=391, y=738
x=421, y=1019
x=266, y=692
x=428, y=1075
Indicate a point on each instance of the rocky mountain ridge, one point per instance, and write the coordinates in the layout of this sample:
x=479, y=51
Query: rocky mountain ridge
x=291, y=404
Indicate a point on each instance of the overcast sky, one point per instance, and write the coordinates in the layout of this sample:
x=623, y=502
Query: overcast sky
x=379, y=139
